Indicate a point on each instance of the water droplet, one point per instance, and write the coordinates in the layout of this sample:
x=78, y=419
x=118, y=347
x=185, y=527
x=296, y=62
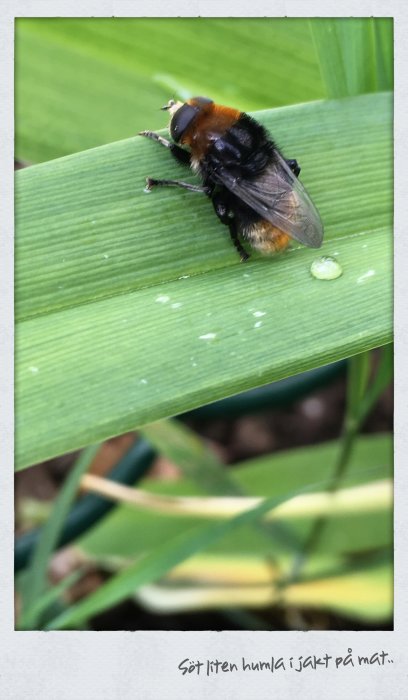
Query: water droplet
x=258, y=314
x=105, y=255
x=176, y=305
x=146, y=190
x=363, y=278
x=258, y=324
x=208, y=336
x=162, y=298
x=326, y=268
x=184, y=277
x=143, y=381
x=34, y=370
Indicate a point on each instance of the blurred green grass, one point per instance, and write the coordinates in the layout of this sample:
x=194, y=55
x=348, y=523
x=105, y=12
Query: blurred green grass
x=84, y=82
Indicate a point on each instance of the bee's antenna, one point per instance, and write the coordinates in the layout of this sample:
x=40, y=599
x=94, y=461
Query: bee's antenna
x=170, y=103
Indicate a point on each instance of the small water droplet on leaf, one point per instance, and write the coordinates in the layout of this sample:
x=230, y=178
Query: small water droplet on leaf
x=326, y=268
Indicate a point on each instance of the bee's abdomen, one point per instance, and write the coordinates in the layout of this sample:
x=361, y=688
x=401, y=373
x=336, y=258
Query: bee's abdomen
x=265, y=237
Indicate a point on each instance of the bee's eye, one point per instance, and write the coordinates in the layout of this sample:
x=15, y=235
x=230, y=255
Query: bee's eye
x=181, y=120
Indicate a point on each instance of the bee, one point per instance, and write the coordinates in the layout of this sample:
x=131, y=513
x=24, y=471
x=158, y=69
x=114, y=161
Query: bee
x=254, y=190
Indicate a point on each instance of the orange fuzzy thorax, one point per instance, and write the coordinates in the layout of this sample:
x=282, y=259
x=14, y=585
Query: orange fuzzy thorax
x=211, y=123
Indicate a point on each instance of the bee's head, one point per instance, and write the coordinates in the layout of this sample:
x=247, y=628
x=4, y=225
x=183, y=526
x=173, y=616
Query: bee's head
x=183, y=114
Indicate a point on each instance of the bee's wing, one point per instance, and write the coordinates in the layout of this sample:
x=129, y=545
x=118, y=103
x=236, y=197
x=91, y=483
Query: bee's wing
x=278, y=196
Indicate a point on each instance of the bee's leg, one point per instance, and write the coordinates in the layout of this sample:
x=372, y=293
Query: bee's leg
x=151, y=182
x=234, y=237
x=224, y=214
x=294, y=166
x=179, y=153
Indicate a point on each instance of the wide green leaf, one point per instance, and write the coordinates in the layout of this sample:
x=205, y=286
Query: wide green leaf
x=289, y=471
x=83, y=82
x=132, y=307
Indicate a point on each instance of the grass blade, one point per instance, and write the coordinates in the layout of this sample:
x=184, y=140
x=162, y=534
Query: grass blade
x=156, y=564
x=355, y=54
x=35, y=580
x=277, y=475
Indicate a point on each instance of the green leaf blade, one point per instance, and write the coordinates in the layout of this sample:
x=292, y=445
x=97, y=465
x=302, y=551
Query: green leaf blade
x=354, y=54
x=35, y=579
x=87, y=218
x=167, y=321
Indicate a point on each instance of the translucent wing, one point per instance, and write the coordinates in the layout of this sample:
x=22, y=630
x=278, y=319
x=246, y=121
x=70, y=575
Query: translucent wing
x=278, y=196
